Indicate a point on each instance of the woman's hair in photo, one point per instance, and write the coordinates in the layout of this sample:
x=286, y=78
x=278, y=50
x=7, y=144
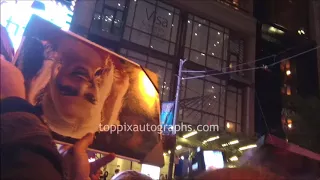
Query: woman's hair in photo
x=31, y=58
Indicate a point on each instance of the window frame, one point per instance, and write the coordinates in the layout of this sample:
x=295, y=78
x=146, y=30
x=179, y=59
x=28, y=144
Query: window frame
x=171, y=43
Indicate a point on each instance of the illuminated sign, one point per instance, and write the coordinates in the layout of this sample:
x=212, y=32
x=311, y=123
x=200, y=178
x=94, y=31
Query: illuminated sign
x=16, y=15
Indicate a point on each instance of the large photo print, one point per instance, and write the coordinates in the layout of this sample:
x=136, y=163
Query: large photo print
x=79, y=87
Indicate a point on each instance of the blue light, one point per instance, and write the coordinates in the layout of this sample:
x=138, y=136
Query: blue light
x=15, y=16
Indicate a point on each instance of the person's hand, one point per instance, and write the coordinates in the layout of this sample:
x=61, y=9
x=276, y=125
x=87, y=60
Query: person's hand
x=12, y=80
x=76, y=159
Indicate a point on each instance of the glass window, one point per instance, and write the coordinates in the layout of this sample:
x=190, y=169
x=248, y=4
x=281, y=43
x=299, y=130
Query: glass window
x=117, y=4
x=211, y=100
x=199, y=37
x=208, y=41
x=198, y=57
x=234, y=106
x=191, y=116
x=236, y=46
x=152, y=24
x=231, y=114
x=210, y=119
x=231, y=99
x=194, y=90
x=215, y=45
x=99, y=6
x=206, y=96
x=108, y=18
x=118, y=23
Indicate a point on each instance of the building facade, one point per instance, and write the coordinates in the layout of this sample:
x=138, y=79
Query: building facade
x=284, y=33
x=315, y=27
x=216, y=36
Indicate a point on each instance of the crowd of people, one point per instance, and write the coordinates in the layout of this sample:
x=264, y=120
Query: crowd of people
x=28, y=150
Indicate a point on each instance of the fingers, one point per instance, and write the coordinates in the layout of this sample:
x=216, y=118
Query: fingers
x=83, y=144
x=12, y=80
x=102, y=162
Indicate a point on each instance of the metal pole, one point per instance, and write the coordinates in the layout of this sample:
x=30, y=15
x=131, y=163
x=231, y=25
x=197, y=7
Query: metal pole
x=175, y=117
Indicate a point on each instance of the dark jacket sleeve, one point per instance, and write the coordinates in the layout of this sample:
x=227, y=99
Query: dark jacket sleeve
x=27, y=148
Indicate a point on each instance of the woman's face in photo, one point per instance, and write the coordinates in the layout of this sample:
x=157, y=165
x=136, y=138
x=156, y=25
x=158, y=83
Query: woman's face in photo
x=82, y=83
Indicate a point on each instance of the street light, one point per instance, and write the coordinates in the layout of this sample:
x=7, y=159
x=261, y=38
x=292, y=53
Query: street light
x=178, y=147
x=247, y=147
x=190, y=134
x=234, y=158
x=288, y=72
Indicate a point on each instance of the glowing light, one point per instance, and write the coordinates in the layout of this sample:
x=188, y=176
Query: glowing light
x=234, y=142
x=289, y=126
x=211, y=139
x=198, y=149
x=169, y=152
x=190, y=134
x=178, y=147
x=247, y=147
x=230, y=143
x=169, y=14
x=164, y=154
x=188, y=21
x=195, y=34
x=182, y=157
x=218, y=33
x=228, y=125
x=202, y=54
x=234, y=158
x=301, y=32
x=288, y=72
x=91, y=160
x=275, y=30
x=146, y=86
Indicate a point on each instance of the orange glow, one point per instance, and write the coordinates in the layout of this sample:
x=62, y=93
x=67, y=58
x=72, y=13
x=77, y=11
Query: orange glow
x=288, y=91
x=287, y=65
x=147, y=89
